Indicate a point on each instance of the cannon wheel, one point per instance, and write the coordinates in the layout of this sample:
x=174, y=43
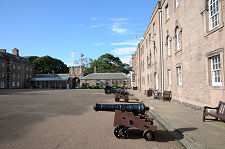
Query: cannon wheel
x=148, y=135
x=117, y=99
x=120, y=132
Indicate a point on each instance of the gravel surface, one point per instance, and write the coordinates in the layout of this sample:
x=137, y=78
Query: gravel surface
x=65, y=119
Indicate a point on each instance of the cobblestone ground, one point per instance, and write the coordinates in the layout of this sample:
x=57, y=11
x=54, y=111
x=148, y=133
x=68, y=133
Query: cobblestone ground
x=65, y=119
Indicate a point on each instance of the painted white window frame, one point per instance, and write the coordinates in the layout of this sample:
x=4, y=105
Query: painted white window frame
x=178, y=39
x=176, y=3
x=13, y=83
x=179, y=75
x=168, y=46
x=169, y=77
x=216, y=76
x=213, y=13
x=18, y=83
x=167, y=12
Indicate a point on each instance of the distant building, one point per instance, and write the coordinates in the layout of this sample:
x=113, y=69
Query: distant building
x=53, y=81
x=103, y=79
x=15, y=71
x=59, y=81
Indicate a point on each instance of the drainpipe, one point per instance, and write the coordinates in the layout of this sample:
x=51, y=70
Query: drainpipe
x=161, y=41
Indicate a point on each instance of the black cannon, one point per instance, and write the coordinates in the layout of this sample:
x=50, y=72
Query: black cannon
x=135, y=108
x=119, y=93
x=127, y=116
x=108, y=89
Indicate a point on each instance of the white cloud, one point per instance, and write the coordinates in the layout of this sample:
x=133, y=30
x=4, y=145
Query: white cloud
x=125, y=59
x=99, y=44
x=116, y=28
x=122, y=51
x=99, y=25
x=119, y=19
x=130, y=43
x=93, y=19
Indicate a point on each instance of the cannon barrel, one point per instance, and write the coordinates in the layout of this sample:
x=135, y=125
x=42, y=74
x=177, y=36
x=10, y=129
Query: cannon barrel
x=119, y=92
x=135, y=108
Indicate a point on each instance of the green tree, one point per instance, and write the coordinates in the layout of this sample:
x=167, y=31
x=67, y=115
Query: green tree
x=107, y=63
x=47, y=64
x=32, y=58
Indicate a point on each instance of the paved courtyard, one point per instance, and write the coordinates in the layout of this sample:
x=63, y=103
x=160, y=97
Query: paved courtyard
x=65, y=119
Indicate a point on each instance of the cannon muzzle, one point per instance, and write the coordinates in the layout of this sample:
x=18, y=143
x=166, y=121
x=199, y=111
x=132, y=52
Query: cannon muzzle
x=135, y=108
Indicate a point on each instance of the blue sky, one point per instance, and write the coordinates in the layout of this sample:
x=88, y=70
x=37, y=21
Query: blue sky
x=59, y=27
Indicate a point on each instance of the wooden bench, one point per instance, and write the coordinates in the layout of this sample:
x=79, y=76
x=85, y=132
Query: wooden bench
x=218, y=114
x=167, y=95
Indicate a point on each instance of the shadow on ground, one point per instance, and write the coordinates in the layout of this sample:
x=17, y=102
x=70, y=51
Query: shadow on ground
x=161, y=135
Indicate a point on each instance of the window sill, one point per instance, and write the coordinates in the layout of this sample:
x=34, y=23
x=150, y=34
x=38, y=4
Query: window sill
x=177, y=51
x=168, y=56
x=216, y=87
x=181, y=86
x=214, y=30
x=167, y=20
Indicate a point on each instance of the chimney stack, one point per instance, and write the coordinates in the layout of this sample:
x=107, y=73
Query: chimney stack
x=3, y=50
x=15, y=52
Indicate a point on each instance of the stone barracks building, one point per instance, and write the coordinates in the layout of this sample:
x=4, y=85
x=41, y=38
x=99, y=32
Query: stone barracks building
x=15, y=71
x=182, y=50
x=103, y=79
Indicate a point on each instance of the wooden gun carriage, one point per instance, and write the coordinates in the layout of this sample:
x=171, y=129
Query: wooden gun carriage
x=129, y=116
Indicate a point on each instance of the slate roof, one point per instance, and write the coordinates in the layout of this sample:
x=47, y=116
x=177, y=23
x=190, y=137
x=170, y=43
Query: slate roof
x=13, y=57
x=105, y=76
x=50, y=77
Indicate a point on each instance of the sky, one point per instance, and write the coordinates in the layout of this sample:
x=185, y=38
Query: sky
x=59, y=27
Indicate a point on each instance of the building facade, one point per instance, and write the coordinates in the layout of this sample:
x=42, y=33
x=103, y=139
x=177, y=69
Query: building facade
x=192, y=46
x=15, y=71
x=103, y=79
x=133, y=71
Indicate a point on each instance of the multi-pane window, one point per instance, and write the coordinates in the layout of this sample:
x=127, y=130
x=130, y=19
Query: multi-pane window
x=3, y=64
x=169, y=77
x=2, y=84
x=3, y=74
x=125, y=82
x=149, y=39
x=216, y=71
x=177, y=3
x=167, y=12
x=87, y=83
x=179, y=75
x=168, y=45
x=18, y=83
x=178, y=39
x=153, y=29
x=18, y=67
x=117, y=81
x=213, y=13
x=13, y=84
